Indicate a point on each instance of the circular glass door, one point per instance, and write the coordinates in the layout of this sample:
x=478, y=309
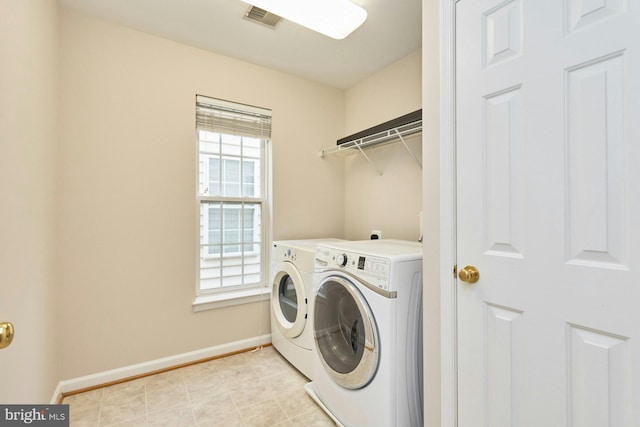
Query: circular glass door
x=345, y=333
x=288, y=300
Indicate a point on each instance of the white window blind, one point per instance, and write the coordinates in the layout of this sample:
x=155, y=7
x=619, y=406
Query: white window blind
x=221, y=116
x=232, y=140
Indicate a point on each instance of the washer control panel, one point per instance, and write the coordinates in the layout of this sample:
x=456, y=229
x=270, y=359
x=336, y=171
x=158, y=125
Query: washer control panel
x=284, y=253
x=375, y=270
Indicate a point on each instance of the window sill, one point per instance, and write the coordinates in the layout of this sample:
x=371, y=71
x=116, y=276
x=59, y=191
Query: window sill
x=235, y=255
x=228, y=299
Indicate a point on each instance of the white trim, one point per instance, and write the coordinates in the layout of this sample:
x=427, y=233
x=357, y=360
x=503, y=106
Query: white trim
x=117, y=374
x=449, y=409
x=229, y=298
x=56, y=394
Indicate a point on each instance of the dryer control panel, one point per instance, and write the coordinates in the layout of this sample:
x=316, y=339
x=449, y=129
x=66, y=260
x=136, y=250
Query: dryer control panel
x=375, y=270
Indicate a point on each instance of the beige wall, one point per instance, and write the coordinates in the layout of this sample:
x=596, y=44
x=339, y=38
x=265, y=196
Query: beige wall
x=431, y=209
x=118, y=221
x=127, y=229
x=391, y=92
x=390, y=202
x=28, y=138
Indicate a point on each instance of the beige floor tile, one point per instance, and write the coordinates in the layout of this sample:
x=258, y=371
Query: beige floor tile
x=295, y=402
x=124, y=391
x=250, y=393
x=86, y=400
x=256, y=389
x=272, y=366
x=230, y=419
x=285, y=383
x=160, y=399
x=137, y=422
x=198, y=370
x=209, y=383
x=163, y=379
x=236, y=360
x=175, y=416
x=263, y=414
x=84, y=418
x=238, y=374
x=128, y=410
x=314, y=417
x=208, y=407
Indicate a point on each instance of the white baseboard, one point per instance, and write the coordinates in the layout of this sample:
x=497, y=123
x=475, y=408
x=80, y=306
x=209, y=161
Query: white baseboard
x=66, y=386
x=56, y=394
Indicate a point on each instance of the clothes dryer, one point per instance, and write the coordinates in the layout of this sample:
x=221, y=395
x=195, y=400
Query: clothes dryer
x=291, y=300
x=367, y=327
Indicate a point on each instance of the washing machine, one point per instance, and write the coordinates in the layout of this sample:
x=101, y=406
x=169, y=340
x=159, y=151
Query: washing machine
x=367, y=329
x=292, y=263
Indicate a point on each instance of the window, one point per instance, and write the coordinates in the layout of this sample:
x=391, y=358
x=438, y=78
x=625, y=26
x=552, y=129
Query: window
x=232, y=198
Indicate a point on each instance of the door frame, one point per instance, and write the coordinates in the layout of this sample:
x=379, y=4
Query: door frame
x=448, y=282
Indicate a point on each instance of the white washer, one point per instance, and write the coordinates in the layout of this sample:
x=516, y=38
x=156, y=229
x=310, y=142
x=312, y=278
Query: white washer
x=291, y=300
x=367, y=363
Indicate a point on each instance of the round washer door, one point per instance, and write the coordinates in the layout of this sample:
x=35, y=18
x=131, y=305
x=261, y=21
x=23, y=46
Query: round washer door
x=288, y=300
x=345, y=333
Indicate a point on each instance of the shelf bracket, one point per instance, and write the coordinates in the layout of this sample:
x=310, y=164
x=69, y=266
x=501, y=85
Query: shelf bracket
x=368, y=159
x=408, y=149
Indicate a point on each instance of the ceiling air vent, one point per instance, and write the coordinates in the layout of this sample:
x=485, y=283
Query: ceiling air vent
x=263, y=17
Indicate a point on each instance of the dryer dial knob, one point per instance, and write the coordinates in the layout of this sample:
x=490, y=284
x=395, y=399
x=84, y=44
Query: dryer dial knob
x=341, y=260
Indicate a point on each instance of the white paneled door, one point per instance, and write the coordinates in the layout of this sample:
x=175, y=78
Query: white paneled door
x=548, y=210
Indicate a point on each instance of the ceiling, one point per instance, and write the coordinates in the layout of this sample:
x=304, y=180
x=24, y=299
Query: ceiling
x=392, y=31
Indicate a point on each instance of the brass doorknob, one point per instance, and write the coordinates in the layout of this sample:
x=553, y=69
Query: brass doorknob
x=469, y=274
x=6, y=334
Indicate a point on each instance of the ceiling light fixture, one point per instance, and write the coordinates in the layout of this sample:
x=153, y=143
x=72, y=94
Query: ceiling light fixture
x=333, y=18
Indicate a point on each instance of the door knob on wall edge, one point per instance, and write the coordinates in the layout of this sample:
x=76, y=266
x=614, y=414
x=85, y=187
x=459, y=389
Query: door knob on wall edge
x=6, y=334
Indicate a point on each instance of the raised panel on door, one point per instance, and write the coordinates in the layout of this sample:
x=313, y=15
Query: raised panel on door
x=598, y=378
x=503, y=358
x=596, y=163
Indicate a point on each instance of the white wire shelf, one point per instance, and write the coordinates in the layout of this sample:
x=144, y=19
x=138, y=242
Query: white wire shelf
x=398, y=133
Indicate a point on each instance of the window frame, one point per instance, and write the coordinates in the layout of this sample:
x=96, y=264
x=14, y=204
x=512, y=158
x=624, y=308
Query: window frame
x=238, y=254
x=246, y=292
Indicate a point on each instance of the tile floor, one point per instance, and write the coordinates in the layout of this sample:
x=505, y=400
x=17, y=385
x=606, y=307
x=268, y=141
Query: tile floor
x=258, y=388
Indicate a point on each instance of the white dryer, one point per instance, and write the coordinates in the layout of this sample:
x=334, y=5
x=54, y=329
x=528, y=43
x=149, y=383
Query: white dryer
x=291, y=300
x=367, y=367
